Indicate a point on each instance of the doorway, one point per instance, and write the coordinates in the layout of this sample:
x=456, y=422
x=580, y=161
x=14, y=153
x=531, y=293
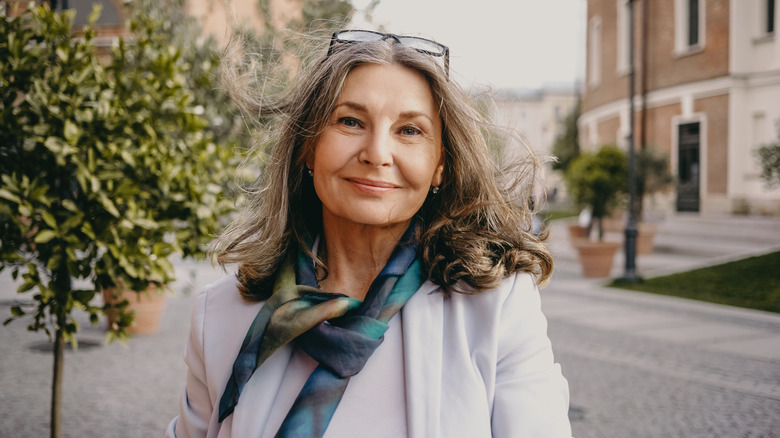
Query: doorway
x=688, y=168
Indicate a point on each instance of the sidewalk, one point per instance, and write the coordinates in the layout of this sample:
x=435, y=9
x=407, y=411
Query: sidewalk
x=646, y=365
x=638, y=364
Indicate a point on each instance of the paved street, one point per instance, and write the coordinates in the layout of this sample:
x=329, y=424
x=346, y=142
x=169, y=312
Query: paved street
x=639, y=365
x=642, y=365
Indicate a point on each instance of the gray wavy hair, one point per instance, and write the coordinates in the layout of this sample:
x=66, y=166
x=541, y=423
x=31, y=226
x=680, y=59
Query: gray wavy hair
x=475, y=231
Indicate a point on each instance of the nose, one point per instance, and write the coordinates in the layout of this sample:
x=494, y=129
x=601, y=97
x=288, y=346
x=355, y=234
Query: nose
x=377, y=150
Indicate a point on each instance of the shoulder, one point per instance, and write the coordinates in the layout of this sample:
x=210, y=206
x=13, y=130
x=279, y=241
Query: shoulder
x=222, y=311
x=518, y=291
x=480, y=314
x=223, y=292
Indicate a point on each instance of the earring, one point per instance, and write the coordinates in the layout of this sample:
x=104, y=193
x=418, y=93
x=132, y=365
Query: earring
x=435, y=189
x=310, y=171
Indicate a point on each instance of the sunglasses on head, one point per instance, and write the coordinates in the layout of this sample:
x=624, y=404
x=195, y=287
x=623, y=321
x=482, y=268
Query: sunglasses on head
x=422, y=45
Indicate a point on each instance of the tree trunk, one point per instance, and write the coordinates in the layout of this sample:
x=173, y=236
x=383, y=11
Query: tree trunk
x=62, y=288
x=56, y=385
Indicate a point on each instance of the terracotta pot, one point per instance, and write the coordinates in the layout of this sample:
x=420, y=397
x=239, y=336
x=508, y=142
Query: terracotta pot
x=596, y=258
x=148, y=306
x=576, y=232
x=613, y=224
x=645, y=236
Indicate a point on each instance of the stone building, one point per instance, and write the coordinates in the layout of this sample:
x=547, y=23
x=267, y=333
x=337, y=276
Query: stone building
x=707, y=81
x=538, y=116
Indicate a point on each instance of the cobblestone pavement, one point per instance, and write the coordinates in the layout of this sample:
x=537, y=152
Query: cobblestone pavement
x=641, y=365
x=111, y=391
x=643, y=370
x=638, y=365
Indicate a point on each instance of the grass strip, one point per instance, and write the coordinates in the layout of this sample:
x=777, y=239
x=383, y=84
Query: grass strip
x=753, y=283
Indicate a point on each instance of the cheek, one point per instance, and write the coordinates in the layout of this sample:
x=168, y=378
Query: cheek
x=425, y=169
x=322, y=155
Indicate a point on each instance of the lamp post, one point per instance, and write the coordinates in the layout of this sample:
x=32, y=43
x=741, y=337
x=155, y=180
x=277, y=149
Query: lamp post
x=630, y=274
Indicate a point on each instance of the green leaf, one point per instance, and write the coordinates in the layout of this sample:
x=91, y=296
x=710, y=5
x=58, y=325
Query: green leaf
x=49, y=219
x=87, y=230
x=72, y=132
x=45, y=236
x=84, y=116
x=108, y=204
x=54, y=144
x=70, y=205
x=24, y=287
x=5, y=194
x=83, y=296
x=54, y=262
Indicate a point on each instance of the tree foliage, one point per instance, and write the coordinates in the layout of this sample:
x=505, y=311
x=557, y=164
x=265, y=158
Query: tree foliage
x=768, y=157
x=595, y=180
x=109, y=169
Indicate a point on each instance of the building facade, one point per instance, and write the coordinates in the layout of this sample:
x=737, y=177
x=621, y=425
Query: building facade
x=538, y=115
x=707, y=93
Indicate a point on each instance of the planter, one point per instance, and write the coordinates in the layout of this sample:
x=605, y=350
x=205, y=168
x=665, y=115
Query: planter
x=147, y=305
x=615, y=223
x=596, y=258
x=577, y=232
x=645, y=236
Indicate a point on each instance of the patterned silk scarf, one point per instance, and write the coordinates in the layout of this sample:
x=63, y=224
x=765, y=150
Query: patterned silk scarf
x=339, y=332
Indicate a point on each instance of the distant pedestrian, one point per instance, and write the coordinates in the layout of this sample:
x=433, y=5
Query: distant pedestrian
x=387, y=279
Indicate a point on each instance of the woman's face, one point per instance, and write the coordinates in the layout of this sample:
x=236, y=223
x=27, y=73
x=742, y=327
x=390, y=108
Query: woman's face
x=381, y=149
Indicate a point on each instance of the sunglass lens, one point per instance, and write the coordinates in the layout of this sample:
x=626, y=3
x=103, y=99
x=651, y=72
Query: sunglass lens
x=359, y=36
x=423, y=45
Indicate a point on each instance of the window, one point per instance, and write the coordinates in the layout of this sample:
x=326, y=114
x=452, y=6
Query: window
x=770, y=16
x=689, y=25
x=594, y=52
x=693, y=22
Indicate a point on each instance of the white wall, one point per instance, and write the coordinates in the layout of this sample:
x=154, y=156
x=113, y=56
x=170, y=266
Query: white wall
x=753, y=115
x=752, y=50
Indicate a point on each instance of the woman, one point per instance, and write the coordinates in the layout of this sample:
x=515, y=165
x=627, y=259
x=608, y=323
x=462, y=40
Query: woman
x=387, y=279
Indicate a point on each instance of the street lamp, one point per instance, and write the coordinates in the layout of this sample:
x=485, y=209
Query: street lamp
x=630, y=274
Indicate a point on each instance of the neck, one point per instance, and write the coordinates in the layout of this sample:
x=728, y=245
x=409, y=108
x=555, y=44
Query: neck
x=355, y=254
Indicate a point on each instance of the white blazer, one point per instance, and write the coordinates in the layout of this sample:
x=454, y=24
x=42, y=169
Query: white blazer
x=475, y=365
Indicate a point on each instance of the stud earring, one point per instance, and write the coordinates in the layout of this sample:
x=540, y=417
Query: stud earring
x=310, y=171
x=435, y=189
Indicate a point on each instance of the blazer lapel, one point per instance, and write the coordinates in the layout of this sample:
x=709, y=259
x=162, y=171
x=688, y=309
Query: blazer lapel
x=259, y=395
x=422, y=319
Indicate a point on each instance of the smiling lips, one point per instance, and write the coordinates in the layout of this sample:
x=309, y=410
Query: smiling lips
x=371, y=187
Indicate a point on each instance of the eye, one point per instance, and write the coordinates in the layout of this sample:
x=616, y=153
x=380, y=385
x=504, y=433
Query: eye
x=349, y=122
x=410, y=130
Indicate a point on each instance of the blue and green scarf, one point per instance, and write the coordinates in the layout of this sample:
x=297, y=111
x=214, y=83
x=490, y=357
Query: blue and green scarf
x=337, y=331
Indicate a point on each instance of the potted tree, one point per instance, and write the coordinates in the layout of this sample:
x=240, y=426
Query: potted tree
x=594, y=181
x=107, y=171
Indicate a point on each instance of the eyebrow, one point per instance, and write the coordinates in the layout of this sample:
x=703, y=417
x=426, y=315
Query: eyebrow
x=362, y=108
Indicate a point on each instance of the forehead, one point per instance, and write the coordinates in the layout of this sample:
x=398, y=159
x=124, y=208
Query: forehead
x=388, y=85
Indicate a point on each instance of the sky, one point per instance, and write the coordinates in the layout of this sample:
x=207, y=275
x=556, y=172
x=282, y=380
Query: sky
x=506, y=44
